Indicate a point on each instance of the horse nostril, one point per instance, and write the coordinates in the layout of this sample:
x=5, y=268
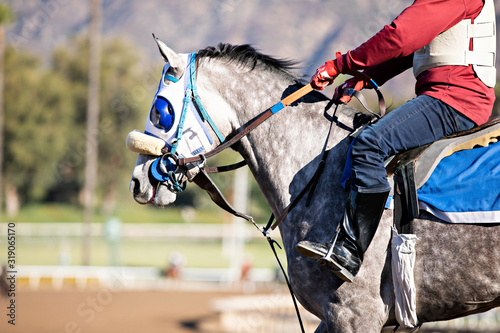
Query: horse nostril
x=135, y=186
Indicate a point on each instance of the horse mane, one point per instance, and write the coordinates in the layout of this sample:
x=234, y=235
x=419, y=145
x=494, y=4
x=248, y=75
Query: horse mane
x=247, y=56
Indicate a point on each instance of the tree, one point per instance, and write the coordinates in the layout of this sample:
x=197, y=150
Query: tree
x=125, y=104
x=38, y=111
x=46, y=121
x=124, y=100
x=6, y=16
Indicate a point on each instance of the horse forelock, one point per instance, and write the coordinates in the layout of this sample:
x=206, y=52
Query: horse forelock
x=247, y=56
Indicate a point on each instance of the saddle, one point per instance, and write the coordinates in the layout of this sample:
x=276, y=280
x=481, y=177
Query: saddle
x=408, y=171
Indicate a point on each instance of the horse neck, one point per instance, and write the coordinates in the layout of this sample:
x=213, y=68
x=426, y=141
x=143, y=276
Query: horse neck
x=283, y=152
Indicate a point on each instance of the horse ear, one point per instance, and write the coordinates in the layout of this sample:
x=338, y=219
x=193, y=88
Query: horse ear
x=175, y=61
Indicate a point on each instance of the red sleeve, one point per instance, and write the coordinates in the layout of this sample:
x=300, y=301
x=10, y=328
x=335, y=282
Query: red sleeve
x=414, y=28
x=389, y=69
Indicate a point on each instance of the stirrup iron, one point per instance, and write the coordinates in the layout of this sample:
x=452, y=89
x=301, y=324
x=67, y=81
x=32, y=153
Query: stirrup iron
x=326, y=259
x=340, y=271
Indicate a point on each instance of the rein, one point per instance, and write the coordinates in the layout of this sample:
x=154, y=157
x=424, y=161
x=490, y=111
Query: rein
x=173, y=162
x=279, y=106
x=250, y=127
x=203, y=181
x=165, y=167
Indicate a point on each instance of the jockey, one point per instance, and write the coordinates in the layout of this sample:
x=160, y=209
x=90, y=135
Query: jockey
x=451, y=46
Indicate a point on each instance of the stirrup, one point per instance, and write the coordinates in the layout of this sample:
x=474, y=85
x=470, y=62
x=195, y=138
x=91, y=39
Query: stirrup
x=340, y=271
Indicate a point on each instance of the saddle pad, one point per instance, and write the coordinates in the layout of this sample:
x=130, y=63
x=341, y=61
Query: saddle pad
x=431, y=156
x=465, y=187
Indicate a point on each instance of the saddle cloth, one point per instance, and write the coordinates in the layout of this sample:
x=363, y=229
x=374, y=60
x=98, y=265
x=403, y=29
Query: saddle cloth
x=457, y=179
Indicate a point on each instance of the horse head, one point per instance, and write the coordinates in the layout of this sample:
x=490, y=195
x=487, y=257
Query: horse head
x=177, y=126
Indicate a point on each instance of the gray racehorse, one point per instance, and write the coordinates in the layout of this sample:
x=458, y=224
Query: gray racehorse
x=457, y=269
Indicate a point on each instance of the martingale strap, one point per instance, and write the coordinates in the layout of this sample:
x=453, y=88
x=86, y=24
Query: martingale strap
x=225, y=168
x=205, y=183
x=310, y=186
x=202, y=179
x=215, y=193
x=376, y=87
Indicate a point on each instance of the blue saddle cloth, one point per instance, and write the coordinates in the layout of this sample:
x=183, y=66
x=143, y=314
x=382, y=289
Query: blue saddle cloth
x=465, y=187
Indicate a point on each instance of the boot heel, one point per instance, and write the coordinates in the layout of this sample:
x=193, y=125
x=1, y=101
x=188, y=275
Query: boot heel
x=328, y=262
x=323, y=261
x=344, y=274
x=340, y=271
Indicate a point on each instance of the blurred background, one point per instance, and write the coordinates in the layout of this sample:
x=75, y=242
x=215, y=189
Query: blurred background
x=75, y=78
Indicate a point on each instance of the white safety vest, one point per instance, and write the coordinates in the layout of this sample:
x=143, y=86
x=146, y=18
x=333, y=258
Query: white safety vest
x=451, y=47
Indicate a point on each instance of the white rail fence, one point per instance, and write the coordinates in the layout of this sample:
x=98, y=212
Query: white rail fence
x=231, y=310
x=126, y=277
x=167, y=231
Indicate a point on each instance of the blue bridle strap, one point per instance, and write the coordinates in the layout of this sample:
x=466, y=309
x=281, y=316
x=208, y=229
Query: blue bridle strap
x=196, y=98
x=180, y=127
x=191, y=94
x=170, y=78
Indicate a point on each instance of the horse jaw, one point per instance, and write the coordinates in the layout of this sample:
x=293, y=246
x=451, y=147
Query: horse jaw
x=143, y=190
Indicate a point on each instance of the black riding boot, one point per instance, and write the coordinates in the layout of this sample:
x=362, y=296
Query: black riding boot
x=357, y=228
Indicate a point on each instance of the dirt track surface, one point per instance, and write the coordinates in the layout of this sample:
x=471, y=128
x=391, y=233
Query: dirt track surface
x=72, y=311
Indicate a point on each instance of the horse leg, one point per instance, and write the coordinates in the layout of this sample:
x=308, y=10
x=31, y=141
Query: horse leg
x=321, y=328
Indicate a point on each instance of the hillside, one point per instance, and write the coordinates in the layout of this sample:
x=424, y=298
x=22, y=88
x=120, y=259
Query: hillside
x=309, y=31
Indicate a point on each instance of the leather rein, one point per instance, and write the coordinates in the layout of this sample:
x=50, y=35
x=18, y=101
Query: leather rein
x=198, y=163
x=202, y=179
x=205, y=182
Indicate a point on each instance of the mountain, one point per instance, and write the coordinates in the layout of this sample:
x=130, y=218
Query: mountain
x=309, y=31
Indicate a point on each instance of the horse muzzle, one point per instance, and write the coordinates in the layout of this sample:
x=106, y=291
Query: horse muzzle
x=147, y=190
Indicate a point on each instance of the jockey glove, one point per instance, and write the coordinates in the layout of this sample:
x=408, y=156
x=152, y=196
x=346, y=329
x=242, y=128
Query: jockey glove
x=343, y=93
x=325, y=74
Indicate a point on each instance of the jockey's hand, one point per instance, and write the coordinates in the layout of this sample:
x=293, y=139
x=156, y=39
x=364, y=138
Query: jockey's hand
x=325, y=74
x=343, y=93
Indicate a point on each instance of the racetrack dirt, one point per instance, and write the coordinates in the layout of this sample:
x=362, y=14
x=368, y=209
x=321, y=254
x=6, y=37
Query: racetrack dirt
x=100, y=310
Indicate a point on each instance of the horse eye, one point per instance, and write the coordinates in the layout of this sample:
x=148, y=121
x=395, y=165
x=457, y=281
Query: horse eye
x=169, y=77
x=162, y=114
